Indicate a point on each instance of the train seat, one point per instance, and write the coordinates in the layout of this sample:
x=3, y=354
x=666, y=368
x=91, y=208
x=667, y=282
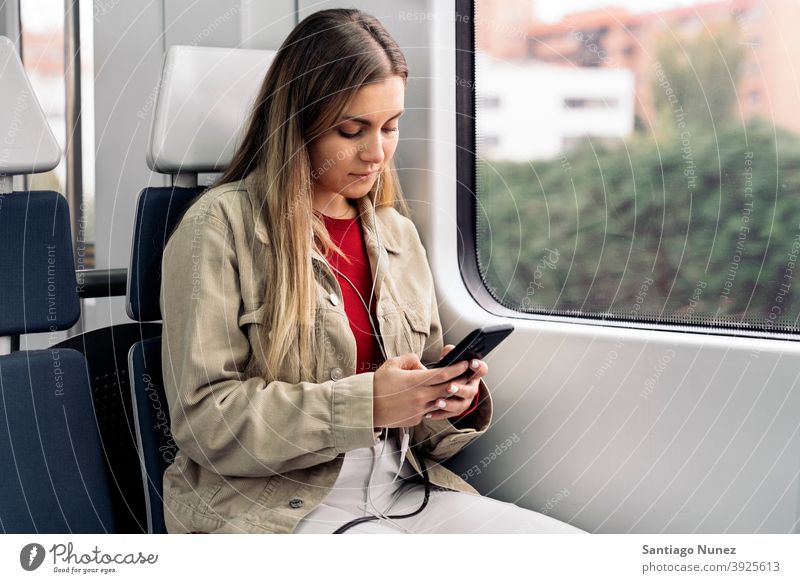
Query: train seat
x=204, y=97
x=54, y=477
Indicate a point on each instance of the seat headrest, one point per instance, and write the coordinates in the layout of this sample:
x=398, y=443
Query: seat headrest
x=204, y=98
x=28, y=144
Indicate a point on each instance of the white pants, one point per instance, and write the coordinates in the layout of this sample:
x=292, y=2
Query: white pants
x=446, y=512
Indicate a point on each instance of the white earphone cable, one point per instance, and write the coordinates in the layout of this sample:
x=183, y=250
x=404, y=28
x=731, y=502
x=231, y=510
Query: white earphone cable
x=405, y=439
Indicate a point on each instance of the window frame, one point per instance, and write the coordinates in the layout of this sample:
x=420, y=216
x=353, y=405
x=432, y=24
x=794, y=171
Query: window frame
x=466, y=216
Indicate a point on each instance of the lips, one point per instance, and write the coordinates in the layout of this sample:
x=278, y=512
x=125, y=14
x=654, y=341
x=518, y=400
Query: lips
x=364, y=176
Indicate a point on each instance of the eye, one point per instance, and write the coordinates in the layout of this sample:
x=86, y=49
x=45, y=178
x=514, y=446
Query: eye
x=358, y=133
x=346, y=135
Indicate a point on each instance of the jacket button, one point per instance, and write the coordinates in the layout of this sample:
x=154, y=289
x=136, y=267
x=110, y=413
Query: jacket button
x=296, y=502
x=334, y=299
x=336, y=374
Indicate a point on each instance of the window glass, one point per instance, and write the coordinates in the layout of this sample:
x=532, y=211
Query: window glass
x=644, y=160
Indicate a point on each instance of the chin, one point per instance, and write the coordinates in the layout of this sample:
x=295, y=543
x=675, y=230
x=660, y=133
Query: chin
x=353, y=192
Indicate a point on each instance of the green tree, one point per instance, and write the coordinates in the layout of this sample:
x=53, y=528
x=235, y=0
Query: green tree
x=636, y=237
x=698, y=76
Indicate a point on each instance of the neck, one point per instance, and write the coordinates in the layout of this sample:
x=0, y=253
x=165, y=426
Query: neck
x=333, y=205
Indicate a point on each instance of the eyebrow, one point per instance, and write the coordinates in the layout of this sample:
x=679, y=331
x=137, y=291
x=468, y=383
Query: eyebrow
x=366, y=122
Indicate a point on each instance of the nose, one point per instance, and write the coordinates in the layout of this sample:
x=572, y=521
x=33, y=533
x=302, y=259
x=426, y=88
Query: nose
x=372, y=151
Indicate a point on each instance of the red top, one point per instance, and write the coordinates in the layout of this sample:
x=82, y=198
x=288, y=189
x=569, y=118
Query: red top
x=348, y=234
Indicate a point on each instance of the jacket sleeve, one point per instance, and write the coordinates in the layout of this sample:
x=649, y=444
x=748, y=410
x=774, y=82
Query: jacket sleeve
x=440, y=439
x=230, y=424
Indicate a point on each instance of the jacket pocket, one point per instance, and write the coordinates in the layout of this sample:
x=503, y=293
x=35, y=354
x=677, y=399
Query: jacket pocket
x=189, y=483
x=240, y=495
x=207, y=494
x=417, y=330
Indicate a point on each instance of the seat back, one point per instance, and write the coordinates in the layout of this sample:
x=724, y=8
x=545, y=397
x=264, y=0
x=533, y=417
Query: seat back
x=157, y=449
x=36, y=263
x=204, y=98
x=158, y=210
x=54, y=475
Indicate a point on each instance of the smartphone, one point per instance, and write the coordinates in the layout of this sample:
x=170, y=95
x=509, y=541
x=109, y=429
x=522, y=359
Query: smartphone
x=477, y=344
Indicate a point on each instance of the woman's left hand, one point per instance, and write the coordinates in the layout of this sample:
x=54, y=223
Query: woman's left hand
x=467, y=385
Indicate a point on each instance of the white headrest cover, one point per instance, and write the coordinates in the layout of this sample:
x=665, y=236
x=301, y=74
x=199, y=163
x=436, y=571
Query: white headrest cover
x=27, y=145
x=204, y=99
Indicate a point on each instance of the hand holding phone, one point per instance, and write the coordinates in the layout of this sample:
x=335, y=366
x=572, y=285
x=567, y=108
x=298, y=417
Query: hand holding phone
x=477, y=344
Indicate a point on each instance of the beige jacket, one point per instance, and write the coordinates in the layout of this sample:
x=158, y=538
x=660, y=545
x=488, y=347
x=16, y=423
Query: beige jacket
x=256, y=456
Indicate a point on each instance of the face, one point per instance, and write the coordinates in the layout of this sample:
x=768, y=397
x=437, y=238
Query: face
x=346, y=159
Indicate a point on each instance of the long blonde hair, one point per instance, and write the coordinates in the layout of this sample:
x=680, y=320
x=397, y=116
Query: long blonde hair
x=316, y=72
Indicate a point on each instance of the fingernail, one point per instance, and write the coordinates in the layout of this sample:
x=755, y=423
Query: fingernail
x=441, y=404
x=475, y=363
x=452, y=389
x=429, y=415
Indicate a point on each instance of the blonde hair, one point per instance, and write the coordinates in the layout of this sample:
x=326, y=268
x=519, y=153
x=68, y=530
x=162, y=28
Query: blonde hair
x=316, y=72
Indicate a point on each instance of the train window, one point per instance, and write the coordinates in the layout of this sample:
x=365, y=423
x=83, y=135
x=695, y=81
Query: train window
x=676, y=202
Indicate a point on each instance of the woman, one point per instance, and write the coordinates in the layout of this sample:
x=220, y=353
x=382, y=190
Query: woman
x=298, y=308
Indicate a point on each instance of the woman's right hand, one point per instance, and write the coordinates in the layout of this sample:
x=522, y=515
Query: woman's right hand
x=404, y=391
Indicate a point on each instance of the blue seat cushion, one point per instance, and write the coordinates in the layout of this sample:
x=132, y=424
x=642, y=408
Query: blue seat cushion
x=37, y=266
x=54, y=477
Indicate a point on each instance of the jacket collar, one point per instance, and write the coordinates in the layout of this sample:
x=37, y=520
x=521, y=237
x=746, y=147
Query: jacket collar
x=377, y=241
x=385, y=231
x=385, y=234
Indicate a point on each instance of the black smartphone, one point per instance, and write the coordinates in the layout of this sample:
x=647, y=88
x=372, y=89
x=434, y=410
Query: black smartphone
x=476, y=344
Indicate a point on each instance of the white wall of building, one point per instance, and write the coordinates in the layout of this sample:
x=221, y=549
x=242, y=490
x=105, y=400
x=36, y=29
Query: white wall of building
x=530, y=119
